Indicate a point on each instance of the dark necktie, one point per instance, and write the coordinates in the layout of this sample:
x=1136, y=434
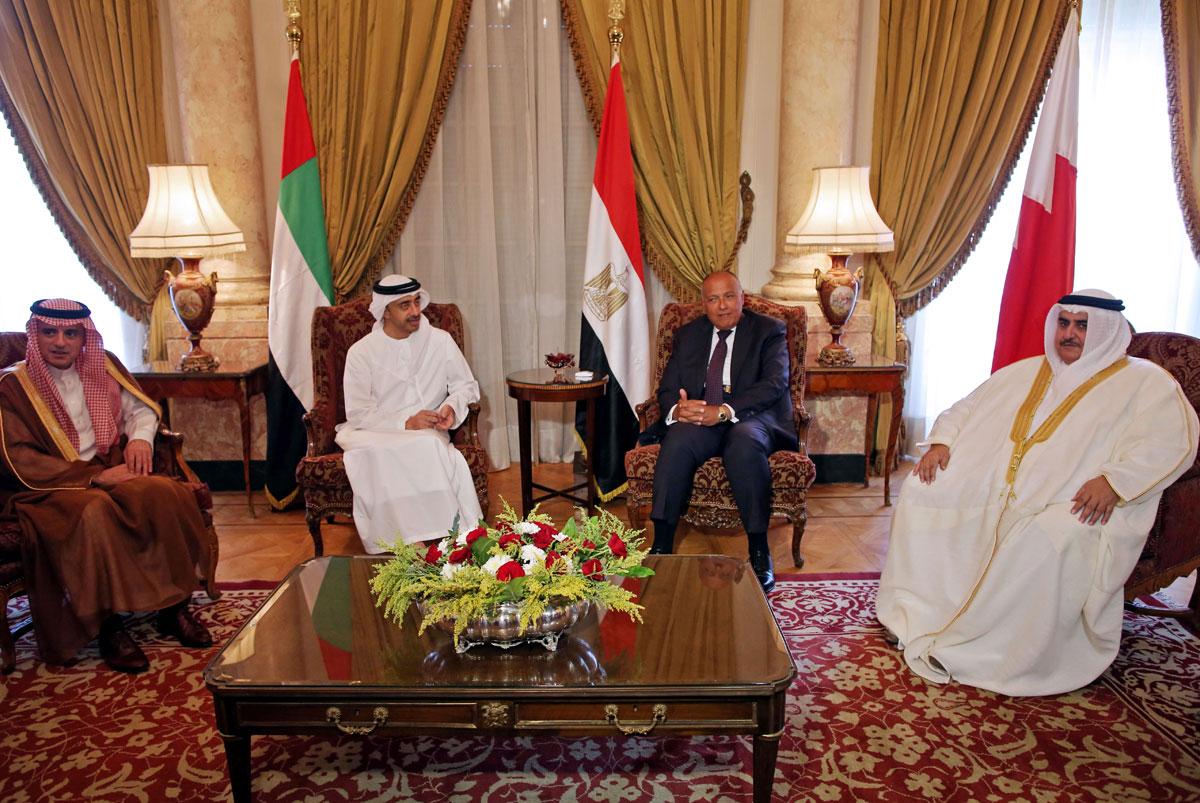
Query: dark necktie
x=714, y=391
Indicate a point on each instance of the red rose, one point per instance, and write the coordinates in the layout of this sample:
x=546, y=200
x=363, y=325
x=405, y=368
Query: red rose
x=433, y=554
x=459, y=555
x=476, y=534
x=552, y=558
x=588, y=545
x=593, y=569
x=544, y=537
x=617, y=545
x=509, y=571
x=510, y=538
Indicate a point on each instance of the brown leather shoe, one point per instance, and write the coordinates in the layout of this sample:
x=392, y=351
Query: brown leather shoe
x=178, y=622
x=121, y=652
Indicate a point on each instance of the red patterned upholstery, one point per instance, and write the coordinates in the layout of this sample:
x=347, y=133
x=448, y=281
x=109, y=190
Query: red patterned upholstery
x=168, y=460
x=322, y=474
x=1173, y=547
x=712, y=499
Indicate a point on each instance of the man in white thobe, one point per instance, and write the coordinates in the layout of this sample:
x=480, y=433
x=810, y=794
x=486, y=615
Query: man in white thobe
x=1008, y=559
x=406, y=386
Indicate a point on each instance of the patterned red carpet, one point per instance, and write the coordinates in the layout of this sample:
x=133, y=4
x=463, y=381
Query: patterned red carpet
x=861, y=728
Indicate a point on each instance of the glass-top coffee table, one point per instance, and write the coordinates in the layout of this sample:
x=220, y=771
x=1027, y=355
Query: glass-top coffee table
x=319, y=658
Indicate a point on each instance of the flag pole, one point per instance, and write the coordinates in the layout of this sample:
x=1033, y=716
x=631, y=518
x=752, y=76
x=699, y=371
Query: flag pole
x=616, y=13
x=293, y=33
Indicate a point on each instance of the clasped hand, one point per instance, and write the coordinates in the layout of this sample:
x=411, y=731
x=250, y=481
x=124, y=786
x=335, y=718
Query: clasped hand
x=442, y=419
x=695, y=411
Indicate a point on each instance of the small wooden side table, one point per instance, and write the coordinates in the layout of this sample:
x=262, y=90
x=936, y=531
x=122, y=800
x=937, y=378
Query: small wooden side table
x=869, y=376
x=538, y=385
x=162, y=380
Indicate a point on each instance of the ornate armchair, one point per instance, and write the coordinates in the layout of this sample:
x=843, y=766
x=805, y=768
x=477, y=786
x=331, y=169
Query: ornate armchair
x=1173, y=548
x=712, y=501
x=322, y=473
x=168, y=461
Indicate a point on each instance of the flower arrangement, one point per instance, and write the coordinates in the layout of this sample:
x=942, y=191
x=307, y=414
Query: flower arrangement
x=528, y=562
x=559, y=361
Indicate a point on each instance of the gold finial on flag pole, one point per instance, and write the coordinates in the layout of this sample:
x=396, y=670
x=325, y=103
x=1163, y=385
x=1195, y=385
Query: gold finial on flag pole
x=292, y=7
x=616, y=13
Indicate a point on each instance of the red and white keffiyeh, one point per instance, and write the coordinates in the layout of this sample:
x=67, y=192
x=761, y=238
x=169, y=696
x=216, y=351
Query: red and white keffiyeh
x=101, y=392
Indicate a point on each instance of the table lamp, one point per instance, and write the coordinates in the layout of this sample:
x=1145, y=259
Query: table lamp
x=183, y=219
x=840, y=220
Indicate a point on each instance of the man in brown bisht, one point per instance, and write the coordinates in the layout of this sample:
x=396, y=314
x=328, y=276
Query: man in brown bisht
x=101, y=534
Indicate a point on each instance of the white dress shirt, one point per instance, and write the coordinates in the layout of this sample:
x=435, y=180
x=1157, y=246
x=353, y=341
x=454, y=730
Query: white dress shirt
x=140, y=421
x=726, y=379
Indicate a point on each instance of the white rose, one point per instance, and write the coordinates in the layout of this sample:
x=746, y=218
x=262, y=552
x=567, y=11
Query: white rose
x=450, y=569
x=531, y=555
x=525, y=528
x=559, y=537
x=494, y=563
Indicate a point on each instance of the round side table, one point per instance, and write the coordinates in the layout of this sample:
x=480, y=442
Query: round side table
x=538, y=385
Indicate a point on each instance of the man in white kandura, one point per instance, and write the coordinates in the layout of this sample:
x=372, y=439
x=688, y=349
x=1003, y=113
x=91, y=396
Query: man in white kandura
x=1008, y=559
x=406, y=385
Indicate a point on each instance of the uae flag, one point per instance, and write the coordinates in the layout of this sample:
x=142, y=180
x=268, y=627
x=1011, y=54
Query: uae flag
x=1042, y=267
x=614, y=338
x=301, y=281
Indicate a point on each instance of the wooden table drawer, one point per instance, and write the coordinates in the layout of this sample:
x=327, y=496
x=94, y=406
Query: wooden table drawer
x=361, y=716
x=642, y=716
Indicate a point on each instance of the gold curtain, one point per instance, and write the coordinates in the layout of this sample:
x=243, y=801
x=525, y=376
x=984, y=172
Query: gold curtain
x=80, y=89
x=683, y=62
x=1181, y=44
x=957, y=86
x=377, y=78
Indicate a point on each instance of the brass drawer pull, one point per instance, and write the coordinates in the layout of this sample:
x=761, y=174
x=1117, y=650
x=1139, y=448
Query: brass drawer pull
x=659, y=716
x=334, y=714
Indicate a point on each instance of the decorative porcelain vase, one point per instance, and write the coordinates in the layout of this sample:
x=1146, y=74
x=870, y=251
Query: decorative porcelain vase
x=504, y=629
x=837, y=293
x=193, y=295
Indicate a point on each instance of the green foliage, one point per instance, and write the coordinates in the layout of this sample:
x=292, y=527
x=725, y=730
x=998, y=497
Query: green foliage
x=518, y=550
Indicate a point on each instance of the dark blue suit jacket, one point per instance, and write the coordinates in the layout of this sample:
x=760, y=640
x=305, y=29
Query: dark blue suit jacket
x=758, y=373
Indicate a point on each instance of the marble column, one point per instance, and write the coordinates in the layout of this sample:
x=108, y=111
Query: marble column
x=212, y=59
x=819, y=107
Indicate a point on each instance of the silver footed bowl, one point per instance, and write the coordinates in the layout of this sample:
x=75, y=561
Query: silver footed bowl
x=504, y=629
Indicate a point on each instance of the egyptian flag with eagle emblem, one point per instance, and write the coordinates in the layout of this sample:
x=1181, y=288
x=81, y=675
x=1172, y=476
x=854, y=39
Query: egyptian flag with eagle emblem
x=614, y=338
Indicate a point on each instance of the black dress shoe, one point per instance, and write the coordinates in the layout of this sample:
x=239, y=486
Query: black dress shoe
x=764, y=569
x=178, y=622
x=121, y=652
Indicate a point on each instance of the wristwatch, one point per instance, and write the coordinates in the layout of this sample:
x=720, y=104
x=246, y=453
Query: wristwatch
x=722, y=416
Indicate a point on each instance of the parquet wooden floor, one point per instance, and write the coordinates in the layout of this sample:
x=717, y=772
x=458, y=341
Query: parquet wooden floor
x=847, y=529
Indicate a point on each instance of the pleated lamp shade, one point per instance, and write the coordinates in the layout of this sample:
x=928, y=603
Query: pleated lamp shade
x=183, y=217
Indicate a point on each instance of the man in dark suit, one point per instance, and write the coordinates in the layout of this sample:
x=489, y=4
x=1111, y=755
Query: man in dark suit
x=725, y=392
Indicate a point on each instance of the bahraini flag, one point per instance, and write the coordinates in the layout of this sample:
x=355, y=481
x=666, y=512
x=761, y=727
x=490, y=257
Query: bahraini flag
x=1042, y=267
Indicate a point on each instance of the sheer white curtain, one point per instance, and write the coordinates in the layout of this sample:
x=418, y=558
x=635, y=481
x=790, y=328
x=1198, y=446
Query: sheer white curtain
x=39, y=263
x=1130, y=238
x=500, y=225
